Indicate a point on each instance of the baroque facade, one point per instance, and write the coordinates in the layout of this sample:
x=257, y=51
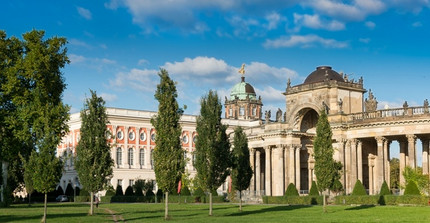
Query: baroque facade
x=281, y=149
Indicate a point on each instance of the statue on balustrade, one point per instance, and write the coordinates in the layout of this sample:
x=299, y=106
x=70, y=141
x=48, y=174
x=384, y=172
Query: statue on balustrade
x=370, y=103
x=426, y=106
x=267, y=115
x=279, y=115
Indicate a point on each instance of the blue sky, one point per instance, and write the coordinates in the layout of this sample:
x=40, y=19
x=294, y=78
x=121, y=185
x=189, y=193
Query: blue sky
x=117, y=47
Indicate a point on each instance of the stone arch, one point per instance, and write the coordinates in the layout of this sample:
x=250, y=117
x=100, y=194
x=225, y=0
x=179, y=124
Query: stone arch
x=299, y=114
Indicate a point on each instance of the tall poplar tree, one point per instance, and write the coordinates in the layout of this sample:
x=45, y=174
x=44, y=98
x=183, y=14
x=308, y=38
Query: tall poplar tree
x=241, y=172
x=94, y=162
x=326, y=168
x=213, y=156
x=169, y=163
x=34, y=86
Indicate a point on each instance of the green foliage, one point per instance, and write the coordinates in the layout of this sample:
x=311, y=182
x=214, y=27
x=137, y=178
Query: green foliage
x=359, y=189
x=291, y=190
x=84, y=192
x=406, y=199
x=314, y=189
x=199, y=192
x=150, y=193
x=394, y=173
x=94, y=163
x=326, y=169
x=59, y=191
x=129, y=191
x=168, y=154
x=241, y=172
x=138, y=190
x=415, y=175
x=69, y=190
x=118, y=191
x=412, y=188
x=111, y=192
x=185, y=191
x=294, y=200
x=357, y=200
x=337, y=186
x=384, y=189
x=213, y=158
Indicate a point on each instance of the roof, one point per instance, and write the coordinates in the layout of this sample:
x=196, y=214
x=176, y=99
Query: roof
x=242, y=90
x=321, y=74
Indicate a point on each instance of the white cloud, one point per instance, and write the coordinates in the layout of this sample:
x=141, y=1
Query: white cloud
x=270, y=94
x=414, y=6
x=109, y=97
x=364, y=40
x=304, y=41
x=417, y=24
x=76, y=42
x=74, y=59
x=141, y=80
x=370, y=25
x=356, y=11
x=84, y=13
x=142, y=62
x=242, y=26
x=273, y=20
x=315, y=22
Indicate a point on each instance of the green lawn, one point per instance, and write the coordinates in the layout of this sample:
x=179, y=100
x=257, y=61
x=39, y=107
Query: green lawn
x=69, y=212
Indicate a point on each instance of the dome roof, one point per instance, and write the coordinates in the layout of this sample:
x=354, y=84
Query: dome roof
x=242, y=90
x=321, y=73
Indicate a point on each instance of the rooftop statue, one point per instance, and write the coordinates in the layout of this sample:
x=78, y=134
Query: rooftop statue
x=242, y=70
x=370, y=103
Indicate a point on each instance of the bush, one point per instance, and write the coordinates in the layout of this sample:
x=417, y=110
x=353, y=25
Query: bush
x=78, y=191
x=291, y=190
x=359, y=189
x=59, y=191
x=138, y=191
x=129, y=191
x=198, y=194
x=412, y=189
x=84, y=192
x=294, y=200
x=82, y=198
x=384, y=189
x=406, y=199
x=69, y=190
x=185, y=191
x=314, y=189
x=357, y=200
x=118, y=191
x=110, y=192
x=337, y=187
x=214, y=193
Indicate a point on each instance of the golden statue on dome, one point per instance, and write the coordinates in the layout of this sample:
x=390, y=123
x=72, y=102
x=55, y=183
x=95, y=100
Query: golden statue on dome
x=242, y=70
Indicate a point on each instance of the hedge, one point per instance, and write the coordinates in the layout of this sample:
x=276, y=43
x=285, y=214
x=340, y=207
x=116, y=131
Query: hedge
x=82, y=198
x=151, y=199
x=382, y=200
x=293, y=200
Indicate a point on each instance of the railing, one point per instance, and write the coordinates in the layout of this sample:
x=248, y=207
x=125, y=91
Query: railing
x=387, y=113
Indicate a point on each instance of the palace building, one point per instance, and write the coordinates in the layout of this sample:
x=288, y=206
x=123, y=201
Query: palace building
x=281, y=147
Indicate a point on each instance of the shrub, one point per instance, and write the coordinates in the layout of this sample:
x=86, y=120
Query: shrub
x=412, y=189
x=118, y=191
x=59, y=191
x=78, y=191
x=129, y=191
x=198, y=194
x=337, y=187
x=357, y=200
x=294, y=200
x=82, y=198
x=214, y=193
x=110, y=192
x=69, y=190
x=314, y=189
x=138, y=191
x=291, y=190
x=359, y=189
x=84, y=192
x=185, y=191
x=384, y=189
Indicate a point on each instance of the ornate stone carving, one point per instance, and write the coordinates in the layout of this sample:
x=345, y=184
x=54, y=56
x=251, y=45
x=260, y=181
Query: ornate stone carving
x=370, y=103
x=426, y=106
x=340, y=104
x=267, y=115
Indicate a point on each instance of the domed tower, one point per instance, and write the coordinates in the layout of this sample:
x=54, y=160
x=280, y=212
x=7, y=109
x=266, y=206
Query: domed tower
x=243, y=102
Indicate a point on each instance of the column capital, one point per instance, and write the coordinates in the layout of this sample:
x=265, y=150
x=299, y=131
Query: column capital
x=267, y=148
x=411, y=138
x=380, y=139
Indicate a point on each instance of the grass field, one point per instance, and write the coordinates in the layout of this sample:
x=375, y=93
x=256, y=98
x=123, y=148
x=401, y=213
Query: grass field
x=70, y=212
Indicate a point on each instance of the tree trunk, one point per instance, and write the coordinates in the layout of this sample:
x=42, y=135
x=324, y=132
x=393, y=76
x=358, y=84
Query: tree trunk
x=166, y=207
x=4, y=172
x=324, y=203
x=91, y=203
x=210, y=203
x=240, y=198
x=29, y=199
x=45, y=208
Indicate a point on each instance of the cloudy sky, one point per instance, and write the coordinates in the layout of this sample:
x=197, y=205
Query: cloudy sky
x=116, y=47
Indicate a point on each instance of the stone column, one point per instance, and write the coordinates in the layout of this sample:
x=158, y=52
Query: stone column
x=412, y=150
x=286, y=168
x=311, y=166
x=298, y=168
x=360, y=160
x=268, y=174
x=279, y=177
x=348, y=165
x=425, y=160
x=251, y=162
x=257, y=172
x=387, y=161
x=371, y=161
x=354, y=174
x=291, y=166
x=379, y=173
x=402, y=161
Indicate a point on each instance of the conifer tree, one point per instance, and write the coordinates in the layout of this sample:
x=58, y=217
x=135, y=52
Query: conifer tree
x=212, y=147
x=314, y=189
x=94, y=162
x=168, y=154
x=359, y=189
x=241, y=172
x=326, y=169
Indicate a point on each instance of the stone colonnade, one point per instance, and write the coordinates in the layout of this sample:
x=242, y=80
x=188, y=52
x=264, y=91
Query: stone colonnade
x=282, y=166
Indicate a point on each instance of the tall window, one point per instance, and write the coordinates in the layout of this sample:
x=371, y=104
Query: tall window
x=119, y=183
x=152, y=160
x=142, y=157
x=130, y=183
x=118, y=156
x=130, y=156
x=230, y=112
x=254, y=111
x=241, y=111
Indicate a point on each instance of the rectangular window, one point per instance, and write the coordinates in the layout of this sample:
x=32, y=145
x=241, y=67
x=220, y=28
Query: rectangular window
x=119, y=182
x=142, y=157
x=254, y=111
x=130, y=182
x=241, y=111
x=230, y=112
x=130, y=156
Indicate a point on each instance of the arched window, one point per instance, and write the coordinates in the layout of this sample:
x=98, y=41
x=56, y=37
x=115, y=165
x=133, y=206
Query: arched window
x=142, y=157
x=130, y=156
x=118, y=156
x=241, y=111
x=152, y=160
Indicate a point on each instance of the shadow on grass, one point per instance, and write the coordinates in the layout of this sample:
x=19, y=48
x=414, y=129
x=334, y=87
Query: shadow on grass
x=270, y=209
x=360, y=207
x=40, y=205
x=18, y=218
